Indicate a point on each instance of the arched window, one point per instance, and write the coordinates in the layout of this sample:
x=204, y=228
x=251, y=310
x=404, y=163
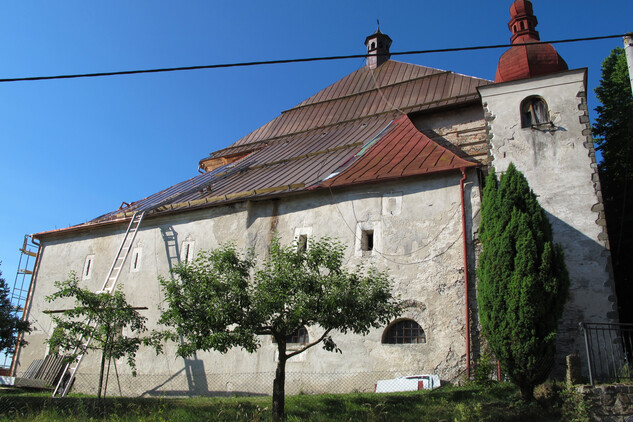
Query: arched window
x=534, y=112
x=404, y=331
x=298, y=337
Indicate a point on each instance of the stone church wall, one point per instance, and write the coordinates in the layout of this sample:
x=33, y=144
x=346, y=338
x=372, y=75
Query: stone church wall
x=417, y=238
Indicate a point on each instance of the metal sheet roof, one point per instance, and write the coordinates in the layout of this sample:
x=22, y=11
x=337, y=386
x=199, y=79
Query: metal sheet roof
x=325, y=134
x=401, y=152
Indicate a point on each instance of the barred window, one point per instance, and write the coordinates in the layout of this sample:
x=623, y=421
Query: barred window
x=405, y=331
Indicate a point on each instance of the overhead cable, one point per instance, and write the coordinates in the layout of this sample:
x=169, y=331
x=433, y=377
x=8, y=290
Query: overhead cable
x=310, y=59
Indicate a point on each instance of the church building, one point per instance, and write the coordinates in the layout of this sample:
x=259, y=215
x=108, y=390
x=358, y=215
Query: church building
x=390, y=160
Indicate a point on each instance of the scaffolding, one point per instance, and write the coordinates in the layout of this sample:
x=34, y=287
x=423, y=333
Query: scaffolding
x=20, y=291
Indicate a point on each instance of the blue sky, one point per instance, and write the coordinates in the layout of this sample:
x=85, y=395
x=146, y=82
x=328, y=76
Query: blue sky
x=72, y=150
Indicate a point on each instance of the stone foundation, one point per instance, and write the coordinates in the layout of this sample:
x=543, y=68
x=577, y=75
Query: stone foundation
x=608, y=403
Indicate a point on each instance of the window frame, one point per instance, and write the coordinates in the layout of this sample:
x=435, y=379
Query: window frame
x=534, y=112
x=407, y=338
x=298, y=335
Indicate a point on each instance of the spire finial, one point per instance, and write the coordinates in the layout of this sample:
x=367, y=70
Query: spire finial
x=378, y=23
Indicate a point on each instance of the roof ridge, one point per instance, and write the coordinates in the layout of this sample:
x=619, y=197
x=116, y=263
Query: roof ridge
x=438, y=72
x=299, y=106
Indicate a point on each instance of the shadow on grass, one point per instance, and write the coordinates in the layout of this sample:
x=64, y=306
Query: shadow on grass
x=494, y=403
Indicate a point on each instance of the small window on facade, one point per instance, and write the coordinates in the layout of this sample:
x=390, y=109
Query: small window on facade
x=88, y=265
x=367, y=240
x=187, y=252
x=135, y=265
x=534, y=112
x=298, y=337
x=405, y=331
x=302, y=243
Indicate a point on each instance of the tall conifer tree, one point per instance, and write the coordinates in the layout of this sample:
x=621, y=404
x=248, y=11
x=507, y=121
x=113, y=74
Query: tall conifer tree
x=613, y=129
x=522, y=280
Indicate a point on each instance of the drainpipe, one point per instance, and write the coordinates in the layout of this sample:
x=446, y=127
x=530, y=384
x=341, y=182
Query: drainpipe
x=461, y=189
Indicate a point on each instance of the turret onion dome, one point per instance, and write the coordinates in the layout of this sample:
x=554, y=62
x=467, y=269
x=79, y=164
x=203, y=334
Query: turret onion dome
x=527, y=61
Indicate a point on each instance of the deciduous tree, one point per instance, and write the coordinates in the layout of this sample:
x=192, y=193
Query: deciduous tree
x=10, y=324
x=522, y=280
x=222, y=300
x=102, y=317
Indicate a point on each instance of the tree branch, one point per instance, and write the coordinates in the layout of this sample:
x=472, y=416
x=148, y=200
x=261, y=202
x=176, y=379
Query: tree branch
x=314, y=343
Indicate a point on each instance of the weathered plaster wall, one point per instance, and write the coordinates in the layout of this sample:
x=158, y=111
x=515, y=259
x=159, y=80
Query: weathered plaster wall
x=559, y=163
x=418, y=239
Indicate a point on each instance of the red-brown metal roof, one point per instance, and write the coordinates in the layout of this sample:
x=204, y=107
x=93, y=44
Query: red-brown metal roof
x=393, y=87
x=403, y=151
x=314, y=140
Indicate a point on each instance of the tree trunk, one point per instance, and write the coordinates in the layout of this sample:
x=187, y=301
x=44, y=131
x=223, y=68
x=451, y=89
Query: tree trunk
x=527, y=393
x=101, y=370
x=279, y=383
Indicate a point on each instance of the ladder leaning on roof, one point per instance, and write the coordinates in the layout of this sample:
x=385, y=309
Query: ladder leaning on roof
x=68, y=374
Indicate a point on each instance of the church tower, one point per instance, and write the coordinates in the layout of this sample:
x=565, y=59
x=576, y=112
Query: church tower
x=537, y=118
x=377, y=48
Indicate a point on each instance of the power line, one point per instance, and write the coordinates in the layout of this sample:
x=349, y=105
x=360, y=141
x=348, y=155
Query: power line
x=283, y=61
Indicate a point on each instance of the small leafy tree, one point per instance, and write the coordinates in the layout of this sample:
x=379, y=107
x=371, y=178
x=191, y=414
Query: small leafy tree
x=10, y=324
x=221, y=301
x=523, y=281
x=102, y=318
x=613, y=129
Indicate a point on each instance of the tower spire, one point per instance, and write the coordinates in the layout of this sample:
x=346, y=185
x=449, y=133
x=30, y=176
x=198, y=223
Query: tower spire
x=526, y=61
x=377, y=48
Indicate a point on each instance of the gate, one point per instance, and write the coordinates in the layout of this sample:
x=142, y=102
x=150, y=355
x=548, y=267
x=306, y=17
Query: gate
x=609, y=350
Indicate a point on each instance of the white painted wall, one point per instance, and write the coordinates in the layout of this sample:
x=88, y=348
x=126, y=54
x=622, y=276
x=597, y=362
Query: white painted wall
x=418, y=240
x=559, y=164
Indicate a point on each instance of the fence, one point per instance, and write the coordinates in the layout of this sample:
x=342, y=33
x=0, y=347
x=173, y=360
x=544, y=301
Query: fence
x=609, y=349
x=233, y=396
x=193, y=383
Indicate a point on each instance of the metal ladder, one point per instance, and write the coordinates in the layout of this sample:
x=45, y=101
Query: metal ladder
x=68, y=374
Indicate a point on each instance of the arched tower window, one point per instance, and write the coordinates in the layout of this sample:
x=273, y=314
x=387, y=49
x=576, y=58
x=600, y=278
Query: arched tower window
x=534, y=112
x=404, y=331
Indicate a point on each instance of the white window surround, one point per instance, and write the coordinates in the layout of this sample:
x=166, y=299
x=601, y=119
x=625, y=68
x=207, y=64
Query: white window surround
x=302, y=231
x=187, y=253
x=89, y=264
x=392, y=203
x=374, y=228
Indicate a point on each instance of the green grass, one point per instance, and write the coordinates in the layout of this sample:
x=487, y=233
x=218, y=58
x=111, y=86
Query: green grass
x=498, y=402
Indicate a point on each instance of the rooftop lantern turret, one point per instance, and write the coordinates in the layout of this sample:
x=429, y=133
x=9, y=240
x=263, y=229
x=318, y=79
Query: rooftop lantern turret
x=527, y=61
x=377, y=48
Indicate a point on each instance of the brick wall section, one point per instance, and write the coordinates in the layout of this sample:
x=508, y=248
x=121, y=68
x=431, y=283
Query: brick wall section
x=608, y=403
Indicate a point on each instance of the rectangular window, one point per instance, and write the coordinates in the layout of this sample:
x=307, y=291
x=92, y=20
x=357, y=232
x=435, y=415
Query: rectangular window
x=88, y=265
x=302, y=243
x=187, y=252
x=135, y=264
x=302, y=238
x=367, y=240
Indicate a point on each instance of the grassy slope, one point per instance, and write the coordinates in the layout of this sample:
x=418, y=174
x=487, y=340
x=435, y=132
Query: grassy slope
x=470, y=403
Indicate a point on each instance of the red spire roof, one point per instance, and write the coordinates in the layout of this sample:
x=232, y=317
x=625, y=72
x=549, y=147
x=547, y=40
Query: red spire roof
x=526, y=61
